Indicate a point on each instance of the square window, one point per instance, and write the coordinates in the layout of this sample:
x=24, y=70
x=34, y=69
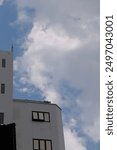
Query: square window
x=42, y=144
x=40, y=116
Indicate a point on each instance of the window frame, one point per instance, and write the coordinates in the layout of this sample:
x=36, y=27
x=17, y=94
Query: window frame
x=38, y=118
x=44, y=140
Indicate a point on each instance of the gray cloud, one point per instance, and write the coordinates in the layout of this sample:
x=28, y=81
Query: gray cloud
x=1, y=2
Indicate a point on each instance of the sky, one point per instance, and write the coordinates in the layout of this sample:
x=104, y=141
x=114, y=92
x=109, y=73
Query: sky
x=56, y=58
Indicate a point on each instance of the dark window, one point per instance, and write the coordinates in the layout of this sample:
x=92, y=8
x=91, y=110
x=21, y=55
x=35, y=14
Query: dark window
x=1, y=118
x=41, y=116
x=2, y=88
x=8, y=137
x=42, y=144
x=3, y=63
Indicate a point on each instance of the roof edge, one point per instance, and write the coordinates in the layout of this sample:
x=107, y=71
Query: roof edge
x=35, y=101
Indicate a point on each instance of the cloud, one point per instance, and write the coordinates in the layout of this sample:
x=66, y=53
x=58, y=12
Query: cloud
x=72, y=141
x=61, y=59
x=1, y=2
x=40, y=60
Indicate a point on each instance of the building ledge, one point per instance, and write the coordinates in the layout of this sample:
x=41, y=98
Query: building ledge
x=35, y=101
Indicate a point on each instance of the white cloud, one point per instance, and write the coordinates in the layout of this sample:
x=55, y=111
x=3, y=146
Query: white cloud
x=54, y=38
x=63, y=46
x=40, y=60
x=72, y=141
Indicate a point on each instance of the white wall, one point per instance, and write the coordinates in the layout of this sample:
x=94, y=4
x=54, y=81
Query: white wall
x=26, y=129
x=6, y=75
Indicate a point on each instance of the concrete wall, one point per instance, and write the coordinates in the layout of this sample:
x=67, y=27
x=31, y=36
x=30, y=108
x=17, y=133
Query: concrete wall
x=6, y=75
x=26, y=129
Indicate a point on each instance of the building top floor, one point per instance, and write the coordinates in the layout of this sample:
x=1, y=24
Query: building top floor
x=35, y=102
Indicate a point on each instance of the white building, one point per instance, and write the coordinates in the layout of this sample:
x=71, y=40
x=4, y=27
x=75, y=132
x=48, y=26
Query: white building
x=38, y=125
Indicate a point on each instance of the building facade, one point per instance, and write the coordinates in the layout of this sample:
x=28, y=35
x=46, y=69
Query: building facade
x=38, y=124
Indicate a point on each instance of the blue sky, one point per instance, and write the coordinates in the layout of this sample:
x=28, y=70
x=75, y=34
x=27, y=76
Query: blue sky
x=56, y=58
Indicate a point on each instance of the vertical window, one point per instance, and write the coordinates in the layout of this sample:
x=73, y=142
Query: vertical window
x=2, y=88
x=1, y=118
x=41, y=116
x=48, y=145
x=35, y=115
x=3, y=63
x=35, y=144
x=42, y=144
x=47, y=117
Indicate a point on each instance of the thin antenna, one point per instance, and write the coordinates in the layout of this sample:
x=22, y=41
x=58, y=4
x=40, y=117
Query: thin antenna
x=12, y=47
